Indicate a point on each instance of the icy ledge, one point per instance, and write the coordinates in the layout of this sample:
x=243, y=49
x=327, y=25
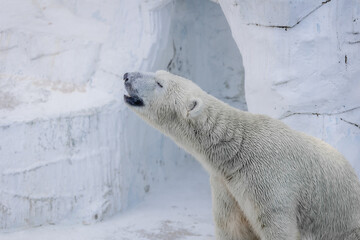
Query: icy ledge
x=60, y=104
x=65, y=162
x=57, y=157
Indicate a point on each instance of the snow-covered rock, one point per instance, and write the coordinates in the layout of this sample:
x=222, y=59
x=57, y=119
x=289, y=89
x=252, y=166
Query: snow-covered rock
x=302, y=65
x=69, y=148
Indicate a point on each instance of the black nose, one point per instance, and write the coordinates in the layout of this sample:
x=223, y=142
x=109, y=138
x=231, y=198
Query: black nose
x=126, y=78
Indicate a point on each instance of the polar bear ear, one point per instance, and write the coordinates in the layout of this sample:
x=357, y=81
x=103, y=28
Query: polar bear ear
x=161, y=72
x=194, y=107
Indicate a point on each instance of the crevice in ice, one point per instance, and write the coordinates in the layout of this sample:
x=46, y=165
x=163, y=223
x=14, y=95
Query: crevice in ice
x=95, y=62
x=4, y=209
x=44, y=164
x=39, y=197
x=169, y=66
x=351, y=123
x=47, y=55
x=199, y=46
x=111, y=73
x=289, y=114
x=8, y=48
x=292, y=26
x=355, y=42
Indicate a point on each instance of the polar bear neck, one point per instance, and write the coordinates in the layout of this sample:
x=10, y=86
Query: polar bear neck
x=214, y=138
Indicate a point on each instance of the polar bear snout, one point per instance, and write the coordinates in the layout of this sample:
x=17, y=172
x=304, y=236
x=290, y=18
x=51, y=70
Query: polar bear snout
x=140, y=87
x=133, y=98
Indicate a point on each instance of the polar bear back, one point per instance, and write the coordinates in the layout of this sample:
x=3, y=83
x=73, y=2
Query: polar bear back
x=320, y=180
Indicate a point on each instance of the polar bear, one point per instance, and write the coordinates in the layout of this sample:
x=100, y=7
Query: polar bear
x=268, y=181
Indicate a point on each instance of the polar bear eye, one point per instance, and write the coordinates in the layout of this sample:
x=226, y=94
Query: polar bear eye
x=159, y=84
x=193, y=105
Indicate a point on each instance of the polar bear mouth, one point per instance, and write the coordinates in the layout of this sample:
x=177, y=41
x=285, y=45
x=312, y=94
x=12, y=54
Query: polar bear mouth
x=133, y=100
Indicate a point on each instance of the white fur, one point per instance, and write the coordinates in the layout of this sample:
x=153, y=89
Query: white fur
x=268, y=181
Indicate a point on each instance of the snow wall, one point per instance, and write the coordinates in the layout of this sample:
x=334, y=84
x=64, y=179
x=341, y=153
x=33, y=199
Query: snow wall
x=70, y=151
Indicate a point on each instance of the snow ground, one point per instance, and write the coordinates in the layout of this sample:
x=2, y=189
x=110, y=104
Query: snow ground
x=180, y=208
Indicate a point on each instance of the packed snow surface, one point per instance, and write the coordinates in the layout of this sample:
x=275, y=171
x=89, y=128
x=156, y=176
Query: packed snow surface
x=177, y=209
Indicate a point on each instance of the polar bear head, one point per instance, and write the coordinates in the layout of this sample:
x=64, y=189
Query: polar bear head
x=163, y=99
